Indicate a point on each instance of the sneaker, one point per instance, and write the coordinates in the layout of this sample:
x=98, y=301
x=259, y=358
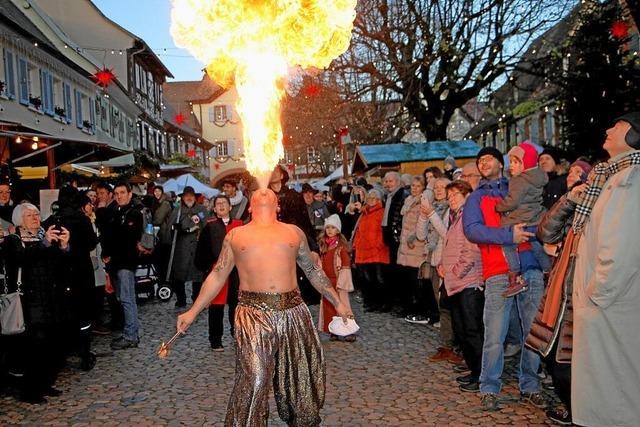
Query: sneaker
x=51, y=391
x=454, y=358
x=466, y=379
x=436, y=325
x=218, y=348
x=472, y=387
x=418, y=319
x=560, y=416
x=535, y=399
x=511, y=350
x=517, y=285
x=489, y=401
x=122, y=344
x=441, y=355
x=34, y=399
x=462, y=367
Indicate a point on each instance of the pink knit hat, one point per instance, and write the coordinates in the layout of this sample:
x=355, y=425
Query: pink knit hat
x=526, y=153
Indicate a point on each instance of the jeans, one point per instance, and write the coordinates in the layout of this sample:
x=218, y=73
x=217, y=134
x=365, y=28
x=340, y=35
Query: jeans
x=466, y=315
x=497, y=312
x=511, y=254
x=126, y=294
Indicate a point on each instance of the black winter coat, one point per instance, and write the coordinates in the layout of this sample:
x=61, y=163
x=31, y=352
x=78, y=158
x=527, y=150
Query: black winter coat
x=555, y=188
x=44, y=283
x=209, y=248
x=391, y=232
x=125, y=231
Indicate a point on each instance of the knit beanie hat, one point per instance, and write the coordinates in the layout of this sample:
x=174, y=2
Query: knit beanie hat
x=555, y=154
x=586, y=168
x=490, y=151
x=451, y=161
x=526, y=153
x=335, y=221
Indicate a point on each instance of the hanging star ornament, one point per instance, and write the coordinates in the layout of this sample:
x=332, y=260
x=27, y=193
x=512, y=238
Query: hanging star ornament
x=312, y=90
x=180, y=119
x=191, y=153
x=104, y=77
x=620, y=29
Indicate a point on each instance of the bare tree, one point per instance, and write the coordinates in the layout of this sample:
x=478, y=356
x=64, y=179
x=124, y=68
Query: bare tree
x=431, y=56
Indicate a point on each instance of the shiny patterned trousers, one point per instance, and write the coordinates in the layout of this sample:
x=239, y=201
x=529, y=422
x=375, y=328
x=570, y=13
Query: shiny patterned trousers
x=277, y=343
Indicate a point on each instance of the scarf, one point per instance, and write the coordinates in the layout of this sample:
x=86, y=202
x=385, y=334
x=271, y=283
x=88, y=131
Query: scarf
x=331, y=241
x=409, y=202
x=440, y=207
x=597, y=178
x=235, y=200
x=26, y=236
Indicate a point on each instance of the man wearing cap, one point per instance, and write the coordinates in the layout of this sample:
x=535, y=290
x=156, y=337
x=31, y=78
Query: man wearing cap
x=187, y=221
x=481, y=225
x=605, y=370
x=317, y=210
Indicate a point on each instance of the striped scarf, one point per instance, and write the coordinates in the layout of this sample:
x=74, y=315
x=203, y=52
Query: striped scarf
x=597, y=178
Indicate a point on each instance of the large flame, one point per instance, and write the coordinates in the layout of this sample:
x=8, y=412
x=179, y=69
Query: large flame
x=252, y=43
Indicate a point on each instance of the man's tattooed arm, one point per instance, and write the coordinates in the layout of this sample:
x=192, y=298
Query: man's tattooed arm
x=316, y=276
x=218, y=275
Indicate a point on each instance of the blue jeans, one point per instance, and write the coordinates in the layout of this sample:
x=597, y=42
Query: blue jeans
x=513, y=259
x=497, y=312
x=126, y=294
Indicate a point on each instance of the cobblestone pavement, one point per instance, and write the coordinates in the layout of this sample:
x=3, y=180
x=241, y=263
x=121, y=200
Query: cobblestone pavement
x=383, y=379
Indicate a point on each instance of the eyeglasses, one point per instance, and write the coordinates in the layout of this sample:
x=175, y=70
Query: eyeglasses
x=450, y=194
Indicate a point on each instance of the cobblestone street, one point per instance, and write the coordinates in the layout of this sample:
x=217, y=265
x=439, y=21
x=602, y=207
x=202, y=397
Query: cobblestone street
x=384, y=379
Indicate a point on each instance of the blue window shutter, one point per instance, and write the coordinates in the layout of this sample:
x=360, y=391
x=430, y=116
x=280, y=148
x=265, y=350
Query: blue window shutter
x=23, y=81
x=46, y=91
x=51, y=95
x=229, y=112
x=92, y=113
x=67, y=103
x=78, y=97
x=9, y=77
x=212, y=117
x=43, y=96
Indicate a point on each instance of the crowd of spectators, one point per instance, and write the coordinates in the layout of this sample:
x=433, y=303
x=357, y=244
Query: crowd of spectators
x=472, y=251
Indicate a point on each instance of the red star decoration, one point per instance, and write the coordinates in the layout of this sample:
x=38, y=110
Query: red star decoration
x=620, y=29
x=216, y=166
x=312, y=90
x=191, y=153
x=180, y=119
x=104, y=77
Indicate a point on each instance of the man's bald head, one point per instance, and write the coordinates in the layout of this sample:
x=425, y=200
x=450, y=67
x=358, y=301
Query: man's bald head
x=471, y=174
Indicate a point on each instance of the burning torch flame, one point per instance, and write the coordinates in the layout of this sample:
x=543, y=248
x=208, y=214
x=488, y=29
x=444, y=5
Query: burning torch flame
x=251, y=43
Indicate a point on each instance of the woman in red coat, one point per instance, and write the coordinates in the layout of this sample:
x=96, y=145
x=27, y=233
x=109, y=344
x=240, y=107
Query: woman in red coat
x=371, y=254
x=336, y=263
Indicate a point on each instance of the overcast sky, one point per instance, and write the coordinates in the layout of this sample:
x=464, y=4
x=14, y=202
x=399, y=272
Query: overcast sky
x=149, y=19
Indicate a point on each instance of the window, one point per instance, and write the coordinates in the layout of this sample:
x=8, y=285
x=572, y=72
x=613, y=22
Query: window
x=68, y=102
x=115, y=121
x=33, y=77
x=58, y=97
x=140, y=136
x=159, y=150
x=311, y=154
x=222, y=148
x=131, y=133
x=121, y=125
x=8, y=75
x=103, y=112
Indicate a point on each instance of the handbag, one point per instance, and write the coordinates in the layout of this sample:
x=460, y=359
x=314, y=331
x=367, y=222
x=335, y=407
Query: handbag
x=11, y=314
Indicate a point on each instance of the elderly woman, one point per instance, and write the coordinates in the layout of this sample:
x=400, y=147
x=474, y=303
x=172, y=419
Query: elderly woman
x=371, y=253
x=411, y=256
x=461, y=267
x=36, y=258
x=433, y=232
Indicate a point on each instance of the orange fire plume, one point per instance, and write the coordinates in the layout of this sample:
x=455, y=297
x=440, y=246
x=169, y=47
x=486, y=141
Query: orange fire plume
x=252, y=43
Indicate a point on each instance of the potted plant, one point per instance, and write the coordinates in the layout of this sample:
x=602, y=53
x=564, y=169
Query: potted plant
x=36, y=101
x=1, y=86
x=86, y=124
x=59, y=111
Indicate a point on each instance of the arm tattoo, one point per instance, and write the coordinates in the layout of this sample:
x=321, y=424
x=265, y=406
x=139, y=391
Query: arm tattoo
x=316, y=276
x=226, y=255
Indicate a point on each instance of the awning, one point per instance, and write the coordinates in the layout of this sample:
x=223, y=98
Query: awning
x=32, y=150
x=114, y=162
x=177, y=185
x=168, y=170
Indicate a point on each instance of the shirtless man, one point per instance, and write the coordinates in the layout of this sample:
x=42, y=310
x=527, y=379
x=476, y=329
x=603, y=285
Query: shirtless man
x=275, y=337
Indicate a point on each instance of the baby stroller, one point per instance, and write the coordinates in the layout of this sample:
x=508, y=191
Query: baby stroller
x=148, y=284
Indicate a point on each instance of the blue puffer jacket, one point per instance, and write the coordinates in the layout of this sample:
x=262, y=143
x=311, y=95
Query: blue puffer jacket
x=482, y=226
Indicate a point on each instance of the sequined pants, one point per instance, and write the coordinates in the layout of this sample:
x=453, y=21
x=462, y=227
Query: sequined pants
x=276, y=341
